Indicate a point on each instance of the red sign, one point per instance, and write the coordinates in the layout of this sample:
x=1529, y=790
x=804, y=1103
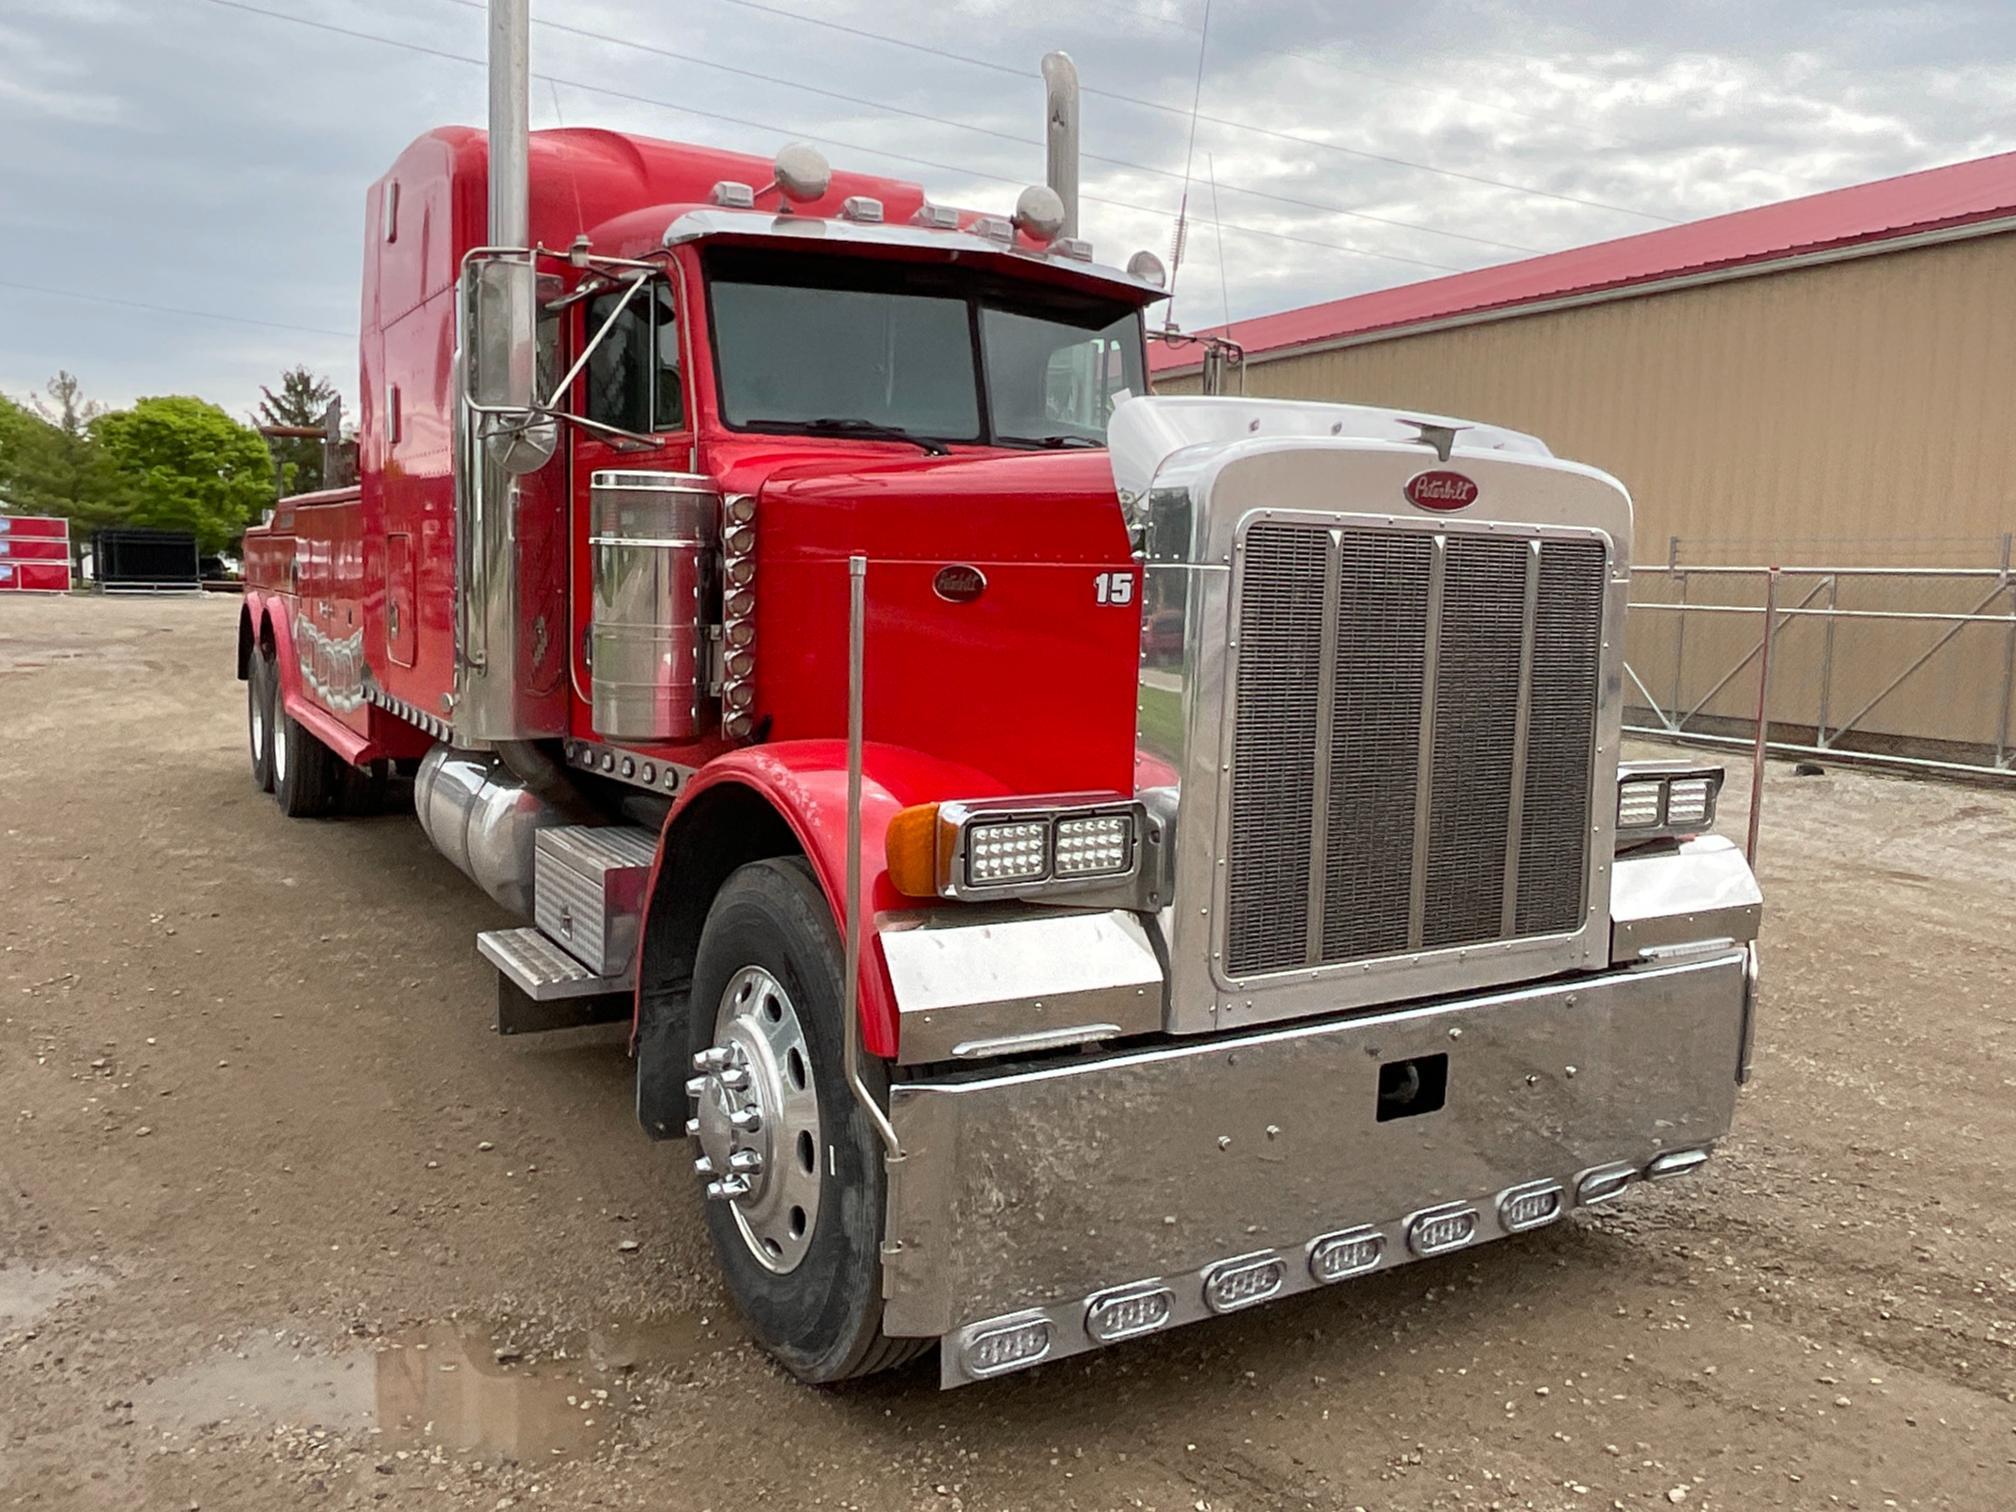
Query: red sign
x=34, y=554
x=1441, y=491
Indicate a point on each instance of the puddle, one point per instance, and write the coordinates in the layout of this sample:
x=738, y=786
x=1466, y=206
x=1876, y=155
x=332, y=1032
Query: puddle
x=440, y=1386
x=27, y=1294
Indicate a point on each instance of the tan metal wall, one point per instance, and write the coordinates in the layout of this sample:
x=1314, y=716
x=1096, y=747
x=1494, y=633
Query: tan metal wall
x=1860, y=412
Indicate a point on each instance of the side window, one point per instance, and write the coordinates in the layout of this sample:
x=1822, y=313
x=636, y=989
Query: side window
x=668, y=404
x=546, y=366
x=633, y=375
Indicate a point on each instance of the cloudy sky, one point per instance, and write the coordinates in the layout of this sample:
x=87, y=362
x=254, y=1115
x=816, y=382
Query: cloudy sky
x=182, y=184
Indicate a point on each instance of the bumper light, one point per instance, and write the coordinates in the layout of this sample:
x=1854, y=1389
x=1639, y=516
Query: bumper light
x=1676, y=1163
x=1529, y=1207
x=1132, y=1310
x=1603, y=1183
x=1336, y=1256
x=1234, y=1284
x=996, y=1348
x=1440, y=1230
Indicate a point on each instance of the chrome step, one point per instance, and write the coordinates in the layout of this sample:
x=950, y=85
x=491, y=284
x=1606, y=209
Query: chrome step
x=542, y=970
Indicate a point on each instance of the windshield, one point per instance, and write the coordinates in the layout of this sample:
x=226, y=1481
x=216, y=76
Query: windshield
x=829, y=344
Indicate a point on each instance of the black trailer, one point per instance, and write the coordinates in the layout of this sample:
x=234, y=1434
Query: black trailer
x=132, y=560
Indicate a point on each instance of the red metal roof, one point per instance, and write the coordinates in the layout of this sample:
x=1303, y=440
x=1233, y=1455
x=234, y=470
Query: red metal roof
x=1983, y=189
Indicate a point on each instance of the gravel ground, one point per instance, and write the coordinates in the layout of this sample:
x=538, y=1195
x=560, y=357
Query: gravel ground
x=284, y=1224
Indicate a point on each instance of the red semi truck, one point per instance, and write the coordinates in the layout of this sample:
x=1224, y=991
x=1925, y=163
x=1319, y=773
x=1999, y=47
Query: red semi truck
x=1075, y=862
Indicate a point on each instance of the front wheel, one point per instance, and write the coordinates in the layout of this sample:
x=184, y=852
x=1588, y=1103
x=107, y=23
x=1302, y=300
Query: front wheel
x=792, y=1167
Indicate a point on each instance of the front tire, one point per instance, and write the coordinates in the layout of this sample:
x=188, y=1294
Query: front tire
x=764, y=1029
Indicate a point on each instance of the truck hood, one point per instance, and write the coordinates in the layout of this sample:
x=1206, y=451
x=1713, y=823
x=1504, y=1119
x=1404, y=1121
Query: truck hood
x=1003, y=609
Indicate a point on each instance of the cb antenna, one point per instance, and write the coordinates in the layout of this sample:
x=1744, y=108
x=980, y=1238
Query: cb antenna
x=1182, y=231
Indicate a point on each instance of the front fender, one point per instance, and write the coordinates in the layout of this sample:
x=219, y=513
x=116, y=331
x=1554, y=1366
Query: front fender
x=804, y=782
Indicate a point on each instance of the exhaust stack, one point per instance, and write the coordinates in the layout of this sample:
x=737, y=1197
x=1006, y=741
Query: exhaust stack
x=511, y=181
x=510, y=600
x=1060, y=85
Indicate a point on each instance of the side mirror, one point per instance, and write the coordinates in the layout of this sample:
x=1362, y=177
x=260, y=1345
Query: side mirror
x=501, y=363
x=498, y=334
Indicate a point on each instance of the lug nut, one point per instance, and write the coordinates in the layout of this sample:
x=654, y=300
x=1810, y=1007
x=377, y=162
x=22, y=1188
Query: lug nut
x=696, y=1087
x=692, y=1128
x=745, y=1120
x=734, y=1078
x=713, y=1058
x=745, y=1162
x=704, y=1166
x=728, y=1188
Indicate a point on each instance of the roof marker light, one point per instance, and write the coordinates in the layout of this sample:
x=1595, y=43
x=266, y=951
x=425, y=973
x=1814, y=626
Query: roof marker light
x=862, y=207
x=936, y=217
x=994, y=228
x=1073, y=247
x=731, y=195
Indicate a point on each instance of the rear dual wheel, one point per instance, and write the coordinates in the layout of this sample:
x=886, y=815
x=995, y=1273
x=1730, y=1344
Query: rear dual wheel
x=304, y=775
x=791, y=1165
x=259, y=705
x=305, y=771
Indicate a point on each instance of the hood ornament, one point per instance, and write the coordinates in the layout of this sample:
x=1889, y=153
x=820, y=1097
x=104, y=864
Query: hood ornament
x=1438, y=434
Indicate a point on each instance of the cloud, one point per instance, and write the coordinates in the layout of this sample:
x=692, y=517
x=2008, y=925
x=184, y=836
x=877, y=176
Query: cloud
x=191, y=154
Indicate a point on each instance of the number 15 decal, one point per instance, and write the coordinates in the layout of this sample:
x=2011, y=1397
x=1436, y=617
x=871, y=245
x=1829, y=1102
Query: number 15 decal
x=1113, y=587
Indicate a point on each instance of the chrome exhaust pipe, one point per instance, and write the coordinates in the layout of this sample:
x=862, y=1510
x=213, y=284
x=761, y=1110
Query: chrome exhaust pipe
x=511, y=181
x=1060, y=111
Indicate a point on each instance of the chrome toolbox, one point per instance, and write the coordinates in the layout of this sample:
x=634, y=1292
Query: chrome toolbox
x=588, y=892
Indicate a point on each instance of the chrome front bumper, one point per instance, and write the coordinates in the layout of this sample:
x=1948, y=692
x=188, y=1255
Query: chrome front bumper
x=1041, y=1212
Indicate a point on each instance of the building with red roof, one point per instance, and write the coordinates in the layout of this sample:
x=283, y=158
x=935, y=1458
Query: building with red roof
x=1914, y=210
x=1826, y=381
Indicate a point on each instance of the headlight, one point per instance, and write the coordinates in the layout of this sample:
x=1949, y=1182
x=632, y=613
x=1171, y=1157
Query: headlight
x=1658, y=799
x=997, y=854
x=1098, y=845
x=1006, y=848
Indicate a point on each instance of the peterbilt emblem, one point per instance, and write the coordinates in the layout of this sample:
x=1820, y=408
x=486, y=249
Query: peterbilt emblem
x=1440, y=490
x=959, y=584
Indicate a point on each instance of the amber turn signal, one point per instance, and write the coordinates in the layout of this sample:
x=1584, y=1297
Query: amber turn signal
x=910, y=848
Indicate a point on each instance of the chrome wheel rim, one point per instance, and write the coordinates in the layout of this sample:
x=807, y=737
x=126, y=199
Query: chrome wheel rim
x=279, y=744
x=757, y=1120
x=258, y=712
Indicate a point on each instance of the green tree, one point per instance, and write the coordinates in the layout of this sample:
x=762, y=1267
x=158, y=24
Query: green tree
x=183, y=464
x=303, y=400
x=51, y=463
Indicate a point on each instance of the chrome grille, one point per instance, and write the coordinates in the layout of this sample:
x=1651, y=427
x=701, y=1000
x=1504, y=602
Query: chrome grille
x=1414, y=725
x=1274, y=760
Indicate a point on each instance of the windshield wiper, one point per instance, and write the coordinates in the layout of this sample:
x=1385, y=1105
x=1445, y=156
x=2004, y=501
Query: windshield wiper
x=867, y=429
x=1072, y=439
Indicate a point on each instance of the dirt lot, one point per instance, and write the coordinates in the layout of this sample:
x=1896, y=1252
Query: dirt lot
x=274, y=1198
